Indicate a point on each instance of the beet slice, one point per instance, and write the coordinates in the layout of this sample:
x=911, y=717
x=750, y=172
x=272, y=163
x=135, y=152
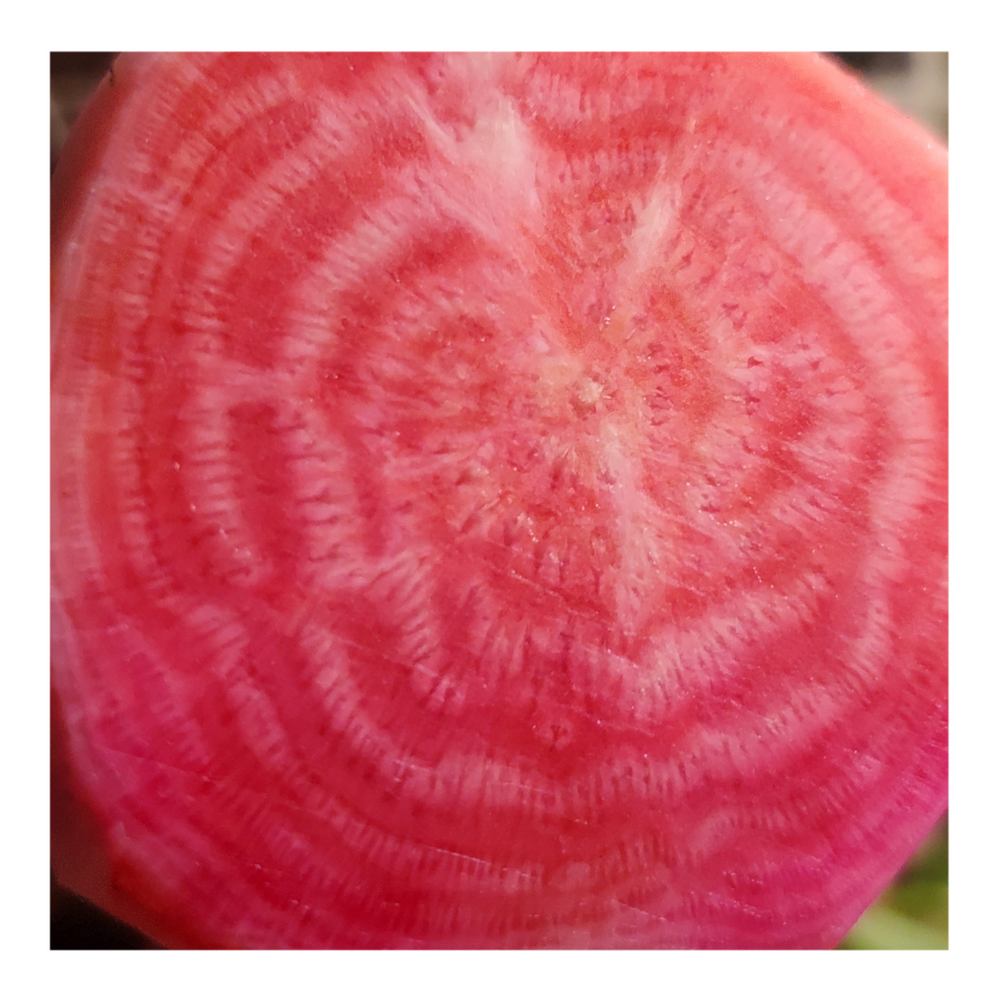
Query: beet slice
x=497, y=501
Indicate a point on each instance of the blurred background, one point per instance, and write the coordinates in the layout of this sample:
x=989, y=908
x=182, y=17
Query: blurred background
x=916, y=82
x=913, y=912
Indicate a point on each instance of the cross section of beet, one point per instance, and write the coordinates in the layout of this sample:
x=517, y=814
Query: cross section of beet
x=499, y=501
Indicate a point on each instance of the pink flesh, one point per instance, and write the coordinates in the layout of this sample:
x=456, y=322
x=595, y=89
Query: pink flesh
x=501, y=502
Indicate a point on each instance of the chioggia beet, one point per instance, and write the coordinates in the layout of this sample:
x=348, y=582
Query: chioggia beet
x=498, y=501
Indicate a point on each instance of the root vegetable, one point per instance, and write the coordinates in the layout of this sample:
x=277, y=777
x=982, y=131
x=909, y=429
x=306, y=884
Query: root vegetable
x=498, y=501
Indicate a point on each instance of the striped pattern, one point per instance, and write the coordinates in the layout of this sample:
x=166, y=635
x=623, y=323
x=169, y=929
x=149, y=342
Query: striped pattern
x=500, y=501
